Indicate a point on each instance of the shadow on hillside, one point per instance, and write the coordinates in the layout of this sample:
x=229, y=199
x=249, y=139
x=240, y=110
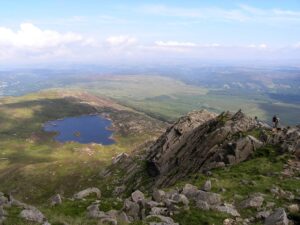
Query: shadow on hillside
x=43, y=110
x=15, y=133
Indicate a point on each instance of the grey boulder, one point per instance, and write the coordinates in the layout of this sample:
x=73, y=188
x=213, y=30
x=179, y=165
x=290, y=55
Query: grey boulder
x=87, y=192
x=137, y=196
x=255, y=201
x=33, y=215
x=206, y=186
x=55, y=200
x=278, y=217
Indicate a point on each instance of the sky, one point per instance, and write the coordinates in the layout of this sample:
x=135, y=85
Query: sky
x=34, y=32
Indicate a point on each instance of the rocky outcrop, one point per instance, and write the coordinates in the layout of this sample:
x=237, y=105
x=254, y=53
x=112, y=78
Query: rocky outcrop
x=201, y=141
x=288, y=139
x=120, y=158
x=27, y=212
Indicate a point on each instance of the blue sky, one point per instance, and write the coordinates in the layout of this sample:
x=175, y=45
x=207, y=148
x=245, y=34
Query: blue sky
x=93, y=30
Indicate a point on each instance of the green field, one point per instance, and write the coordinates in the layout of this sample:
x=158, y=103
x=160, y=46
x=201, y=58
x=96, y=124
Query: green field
x=168, y=99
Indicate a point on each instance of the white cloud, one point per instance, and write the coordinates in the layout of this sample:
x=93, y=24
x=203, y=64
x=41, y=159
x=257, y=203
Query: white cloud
x=30, y=36
x=121, y=41
x=263, y=46
x=259, y=46
x=31, y=43
x=175, y=44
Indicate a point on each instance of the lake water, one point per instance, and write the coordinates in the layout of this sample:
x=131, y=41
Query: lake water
x=82, y=129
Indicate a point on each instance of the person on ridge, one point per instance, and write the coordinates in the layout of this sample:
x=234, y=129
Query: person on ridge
x=275, y=121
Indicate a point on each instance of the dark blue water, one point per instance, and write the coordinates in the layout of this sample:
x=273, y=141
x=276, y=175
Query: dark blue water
x=82, y=129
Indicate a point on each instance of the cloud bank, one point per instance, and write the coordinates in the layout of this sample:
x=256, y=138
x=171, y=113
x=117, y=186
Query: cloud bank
x=30, y=44
x=30, y=36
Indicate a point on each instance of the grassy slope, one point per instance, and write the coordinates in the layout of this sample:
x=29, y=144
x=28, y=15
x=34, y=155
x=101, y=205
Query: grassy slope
x=261, y=173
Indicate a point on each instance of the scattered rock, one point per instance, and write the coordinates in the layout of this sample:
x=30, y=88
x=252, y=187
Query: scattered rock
x=112, y=213
x=263, y=215
x=3, y=214
x=228, y=221
x=255, y=201
x=227, y=208
x=3, y=200
x=164, y=220
x=132, y=209
x=206, y=186
x=180, y=198
x=151, y=204
x=33, y=215
x=170, y=204
x=55, y=200
x=159, y=211
x=293, y=208
x=85, y=193
x=158, y=195
x=279, y=217
x=209, y=197
x=137, y=196
x=94, y=212
x=122, y=216
x=109, y=221
x=17, y=203
x=190, y=191
x=202, y=205
x=282, y=194
x=183, y=199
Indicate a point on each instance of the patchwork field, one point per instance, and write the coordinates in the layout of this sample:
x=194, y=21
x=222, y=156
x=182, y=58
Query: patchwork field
x=167, y=99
